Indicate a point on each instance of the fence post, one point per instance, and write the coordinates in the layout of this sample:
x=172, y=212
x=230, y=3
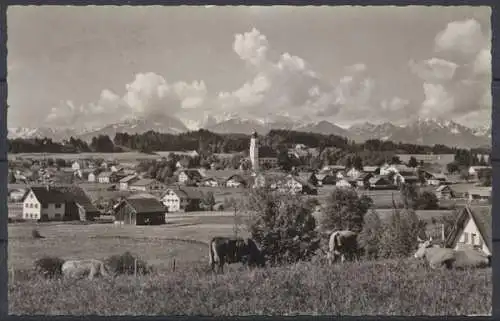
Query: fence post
x=443, y=236
x=135, y=267
x=173, y=266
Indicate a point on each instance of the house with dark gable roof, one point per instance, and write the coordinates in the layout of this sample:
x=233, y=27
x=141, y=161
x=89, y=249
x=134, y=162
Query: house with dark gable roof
x=44, y=203
x=182, y=199
x=472, y=227
x=78, y=204
x=140, y=211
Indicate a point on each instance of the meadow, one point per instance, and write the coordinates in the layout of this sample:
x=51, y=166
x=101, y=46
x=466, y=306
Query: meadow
x=403, y=287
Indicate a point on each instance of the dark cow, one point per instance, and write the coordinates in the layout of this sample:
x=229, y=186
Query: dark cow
x=343, y=244
x=438, y=257
x=228, y=250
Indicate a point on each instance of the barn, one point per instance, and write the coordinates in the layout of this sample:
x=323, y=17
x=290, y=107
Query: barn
x=140, y=211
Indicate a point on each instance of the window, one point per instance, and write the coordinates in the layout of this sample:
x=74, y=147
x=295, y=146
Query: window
x=480, y=242
x=466, y=237
x=472, y=238
x=36, y=205
x=58, y=205
x=26, y=205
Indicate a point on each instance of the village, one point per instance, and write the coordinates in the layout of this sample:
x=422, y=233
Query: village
x=123, y=191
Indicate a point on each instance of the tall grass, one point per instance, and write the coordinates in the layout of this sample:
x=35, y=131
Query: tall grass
x=366, y=288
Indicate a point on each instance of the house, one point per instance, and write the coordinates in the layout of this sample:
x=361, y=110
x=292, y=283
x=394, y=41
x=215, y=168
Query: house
x=140, y=211
x=297, y=185
x=15, y=210
x=473, y=227
x=44, y=203
x=124, y=182
x=189, y=175
x=146, y=185
x=444, y=192
x=474, y=170
x=269, y=162
x=345, y=183
x=371, y=169
x=182, y=199
x=209, y=182
x=405, y=177
x=76, y=166
x=91, y=178
x=107, y=177
x=363, y=180
x=435, y=179
x=479, y=194
x=236, y=181
x=353, y=173
x=259, y=181
x=380, y=182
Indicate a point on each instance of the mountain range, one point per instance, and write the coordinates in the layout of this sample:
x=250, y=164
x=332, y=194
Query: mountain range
x=420, y=131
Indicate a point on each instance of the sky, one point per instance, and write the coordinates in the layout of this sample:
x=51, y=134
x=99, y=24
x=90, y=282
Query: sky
x=83, y=67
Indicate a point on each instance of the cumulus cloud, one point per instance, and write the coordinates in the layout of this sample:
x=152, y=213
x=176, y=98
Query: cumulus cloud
x=251, y=46
x=148, y=94
x=457, y=84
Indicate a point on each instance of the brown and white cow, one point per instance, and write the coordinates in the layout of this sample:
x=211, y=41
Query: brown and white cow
x=81, y=268
x=343, y=244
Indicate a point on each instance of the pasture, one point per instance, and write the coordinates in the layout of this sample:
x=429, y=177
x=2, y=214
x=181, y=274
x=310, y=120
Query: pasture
x=403, y=287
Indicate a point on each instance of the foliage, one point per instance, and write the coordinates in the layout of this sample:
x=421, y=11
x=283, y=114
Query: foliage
x=127, y=263
x=209, y=201
x=426, y=201
x=345, y=209
x=49, y=266
x=283, y=225
x=400, y=235
x=313, y=180
x=369, y=238
x=412, y=162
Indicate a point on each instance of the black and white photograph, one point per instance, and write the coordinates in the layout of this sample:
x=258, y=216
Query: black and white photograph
x=249, y=160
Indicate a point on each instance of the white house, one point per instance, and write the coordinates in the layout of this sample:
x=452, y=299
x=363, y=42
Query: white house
x=106, y=177
x=76, y=166
x=181, y=199
x=343, y=183
x=146, y=185
x=91, y=178
x=209, y=182
x=473, y=227
x=189, y=175
x=44, y=203
x=479, y=193
x=235, y=181
x=474, y=170
x=353, y=173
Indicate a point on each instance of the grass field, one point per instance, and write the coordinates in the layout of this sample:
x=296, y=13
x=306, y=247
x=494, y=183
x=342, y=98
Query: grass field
x=392, y=287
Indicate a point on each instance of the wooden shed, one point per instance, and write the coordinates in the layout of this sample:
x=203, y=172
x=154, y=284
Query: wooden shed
x=140, y=211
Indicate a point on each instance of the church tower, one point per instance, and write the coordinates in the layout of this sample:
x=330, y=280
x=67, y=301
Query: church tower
x=254, y=151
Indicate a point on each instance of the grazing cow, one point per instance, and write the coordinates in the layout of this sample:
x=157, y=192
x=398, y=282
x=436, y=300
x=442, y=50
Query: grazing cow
x=82, y=268
x=343, y=244
x=437, y=256
x=233, y=250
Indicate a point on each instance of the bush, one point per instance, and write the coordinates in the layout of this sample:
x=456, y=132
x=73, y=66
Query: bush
x=125, y=264
x=370, y=236
x=283, y=225
x=427, y=201
x=36, y=234
x=49, y=266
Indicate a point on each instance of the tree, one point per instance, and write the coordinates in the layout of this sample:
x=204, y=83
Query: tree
x=427, y=201
x=400, y=236
x=12, y=177
x=464, y=174
x=369, y=238
x=409, y=195
x=412, y=162
x=452, y=168
x=357, y=162
x=283, y=225
x=485, y=177
x=395, y=160
x=209, y=201
x=313, y=180
x=345, y=210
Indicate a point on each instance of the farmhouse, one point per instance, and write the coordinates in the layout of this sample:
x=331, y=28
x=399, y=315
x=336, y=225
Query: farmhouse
x=15, y=210
x=479, y=194
x=444, y=192
x=353, y=173
x=472, y=227
x=146, y=185
x=185, y=199
x=44, y=203
x=380, y=182
x=107, y=177
x=140, y=211
x=363, y=180
x=124, y=182
x=17, y=194
x=76, y=166
x=269, y=162
x=475, y=170
x=329, y=180
x=189, y=175
x=435, y=179
x=297, y=185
